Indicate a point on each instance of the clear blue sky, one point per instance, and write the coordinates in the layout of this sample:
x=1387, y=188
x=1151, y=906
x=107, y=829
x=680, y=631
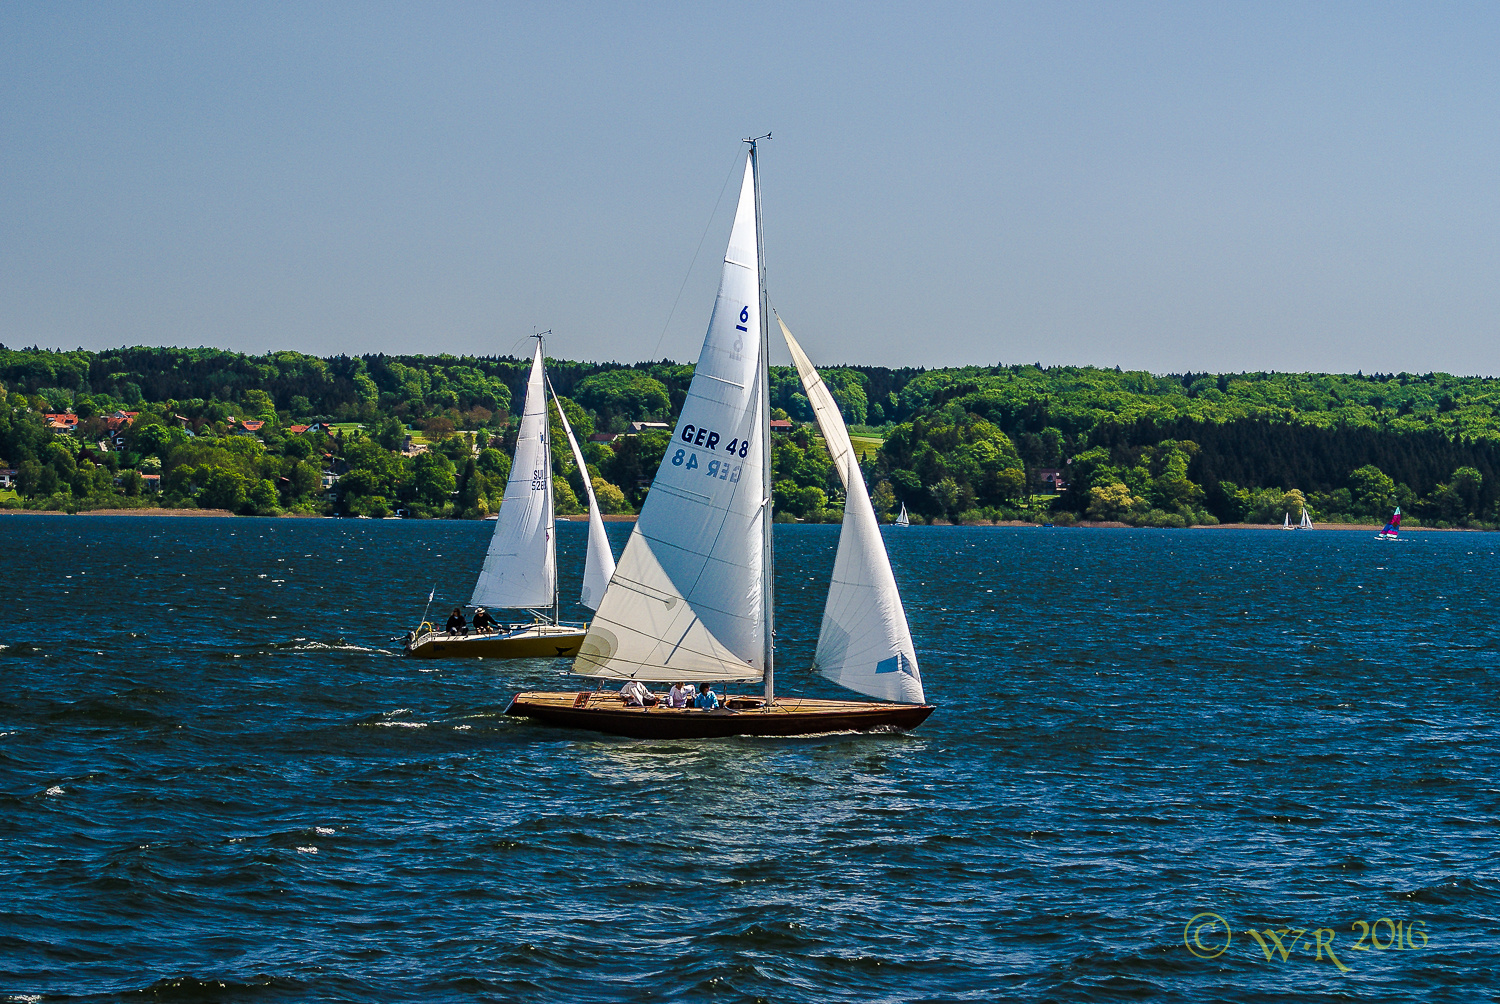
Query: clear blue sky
x=1170, y=187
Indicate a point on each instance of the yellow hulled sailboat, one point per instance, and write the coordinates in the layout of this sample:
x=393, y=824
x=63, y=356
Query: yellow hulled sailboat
x=520, y=569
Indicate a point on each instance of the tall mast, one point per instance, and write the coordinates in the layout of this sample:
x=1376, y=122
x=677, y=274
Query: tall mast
x=768, y=567
x=547, y=456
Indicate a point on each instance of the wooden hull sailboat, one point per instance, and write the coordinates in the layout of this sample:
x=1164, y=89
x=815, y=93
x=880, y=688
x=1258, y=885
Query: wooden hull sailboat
x=601, y=711
x=520, y=568
x=691, y=599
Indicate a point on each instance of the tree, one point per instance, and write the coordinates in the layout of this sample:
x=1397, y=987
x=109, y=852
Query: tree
x=302, y=480
x=1374, y=493
x=260, y=497
x=29, y=478
x=883, y=498
x=1111, y=502
x=609, y=497
x=1466, y=484
x=222, y=489
x=469, y=485
x=259, y=404
x=564, y=501
x=1296, y=505
x=433, y=478
x=494, y=465
x=626, y=394
x=946, y=494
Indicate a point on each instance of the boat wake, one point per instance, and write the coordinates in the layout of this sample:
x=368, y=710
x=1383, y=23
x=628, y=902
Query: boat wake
x=308, y=645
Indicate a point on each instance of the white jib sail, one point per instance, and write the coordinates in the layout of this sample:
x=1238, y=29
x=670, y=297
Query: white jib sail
x=520, y=569
x=685, y=599
x=599, y=564
x=865, y=642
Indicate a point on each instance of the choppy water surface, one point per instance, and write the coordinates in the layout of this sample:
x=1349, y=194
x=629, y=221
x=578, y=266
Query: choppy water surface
x=220, y=783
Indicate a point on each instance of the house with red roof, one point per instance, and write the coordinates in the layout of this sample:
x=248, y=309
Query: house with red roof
x=115, y=426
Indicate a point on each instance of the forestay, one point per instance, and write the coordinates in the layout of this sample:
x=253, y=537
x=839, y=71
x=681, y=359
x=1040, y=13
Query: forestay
x=685, y=600
x=520, y=569
x=599, y=565
x=865, y=642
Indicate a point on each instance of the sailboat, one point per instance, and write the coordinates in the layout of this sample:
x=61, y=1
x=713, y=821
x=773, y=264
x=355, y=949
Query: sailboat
x=1392, y=529
x=520, y=569
x=692, y=599
x=1306, y=523
x=1286, y=521
x=903, y=519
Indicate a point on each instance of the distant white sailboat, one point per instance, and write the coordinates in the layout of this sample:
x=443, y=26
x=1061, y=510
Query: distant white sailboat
x=903, y=519
x=520, y=570
x=1286, y=521
x=1306, y=523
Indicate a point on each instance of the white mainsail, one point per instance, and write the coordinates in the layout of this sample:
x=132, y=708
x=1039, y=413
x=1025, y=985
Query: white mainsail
x=520, y=569
x=599, y=564
x=903, y=519
x=685, y=602
x=1306, y=522
x=865, y=642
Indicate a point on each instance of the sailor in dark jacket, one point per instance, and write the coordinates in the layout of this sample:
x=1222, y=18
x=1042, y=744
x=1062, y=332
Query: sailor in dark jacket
x=456, y=623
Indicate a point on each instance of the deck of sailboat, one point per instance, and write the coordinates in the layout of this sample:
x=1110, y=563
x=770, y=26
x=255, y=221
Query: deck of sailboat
x=604, y=711
x=531, y=641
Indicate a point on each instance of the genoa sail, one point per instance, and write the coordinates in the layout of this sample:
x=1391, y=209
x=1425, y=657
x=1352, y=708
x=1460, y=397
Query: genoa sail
x=520, y=569
x=865, y=642
x=599, y=563
x=686, y=601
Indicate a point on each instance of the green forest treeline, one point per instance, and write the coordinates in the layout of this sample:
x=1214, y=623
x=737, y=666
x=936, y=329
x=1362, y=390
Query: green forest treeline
x=961, y=445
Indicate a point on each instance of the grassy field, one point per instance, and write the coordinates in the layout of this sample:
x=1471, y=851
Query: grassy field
x=864, y=443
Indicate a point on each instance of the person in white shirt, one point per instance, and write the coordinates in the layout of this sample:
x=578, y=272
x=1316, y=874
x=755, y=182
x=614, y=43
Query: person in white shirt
x=637, y=696
x=681, y=695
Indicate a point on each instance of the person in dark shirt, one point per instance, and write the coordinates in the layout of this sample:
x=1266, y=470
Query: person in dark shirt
x=483, y=622
x=456, y=623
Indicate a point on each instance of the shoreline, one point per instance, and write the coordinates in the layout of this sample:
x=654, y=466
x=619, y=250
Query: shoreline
x=1080, y=525
x=225, y=513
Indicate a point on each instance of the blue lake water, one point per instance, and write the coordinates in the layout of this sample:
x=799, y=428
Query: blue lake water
x=220, y=782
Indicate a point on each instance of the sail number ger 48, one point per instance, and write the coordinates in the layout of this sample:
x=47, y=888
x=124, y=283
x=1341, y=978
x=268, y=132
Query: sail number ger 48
x=709, y=440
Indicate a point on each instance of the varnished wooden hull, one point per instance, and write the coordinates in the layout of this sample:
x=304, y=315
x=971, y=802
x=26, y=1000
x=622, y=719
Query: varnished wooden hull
x=606, y=712
x=534, y=641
